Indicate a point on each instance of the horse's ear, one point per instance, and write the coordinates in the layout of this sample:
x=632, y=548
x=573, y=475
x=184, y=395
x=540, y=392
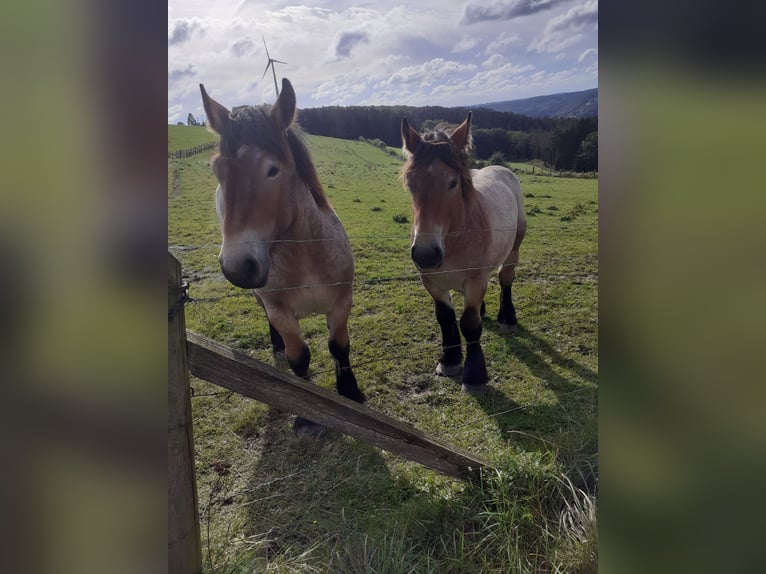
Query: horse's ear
x=284, y=108
x=410, y=138
x=461, y=137
x=217, y=115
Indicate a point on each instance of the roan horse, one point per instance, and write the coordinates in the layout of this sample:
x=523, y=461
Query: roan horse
x=280, y=235
x=466, y=223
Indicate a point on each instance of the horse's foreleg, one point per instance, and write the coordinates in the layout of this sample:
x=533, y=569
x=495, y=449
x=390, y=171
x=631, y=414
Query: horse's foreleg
x=475, y=369
x=277, y=343
x=340, y=348
x=298, y=357
x=452, y=356
x=289, y=331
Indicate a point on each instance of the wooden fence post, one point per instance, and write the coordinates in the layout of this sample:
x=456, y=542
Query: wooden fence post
x=184, y=549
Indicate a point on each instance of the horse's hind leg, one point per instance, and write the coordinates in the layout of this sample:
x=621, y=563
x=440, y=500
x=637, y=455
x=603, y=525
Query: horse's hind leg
x=506, y=316
x=340, y=348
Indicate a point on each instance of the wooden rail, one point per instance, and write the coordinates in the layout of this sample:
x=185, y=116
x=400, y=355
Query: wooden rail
x=225, y=367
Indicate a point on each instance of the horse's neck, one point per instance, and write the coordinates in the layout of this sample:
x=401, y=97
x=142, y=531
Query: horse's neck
x=303, y=218
x=475, y=212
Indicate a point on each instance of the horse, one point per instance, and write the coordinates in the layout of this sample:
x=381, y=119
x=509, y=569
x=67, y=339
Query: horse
x=466, y=223
x=281, y=237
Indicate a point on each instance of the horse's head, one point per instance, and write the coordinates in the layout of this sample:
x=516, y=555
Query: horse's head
x=438, y=176
x=253, y=166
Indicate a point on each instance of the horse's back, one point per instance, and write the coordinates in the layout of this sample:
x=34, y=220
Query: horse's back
x=503, y=200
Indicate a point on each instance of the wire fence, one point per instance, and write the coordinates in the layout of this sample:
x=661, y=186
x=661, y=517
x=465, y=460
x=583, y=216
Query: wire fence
x=190, y=151
x=588, y=273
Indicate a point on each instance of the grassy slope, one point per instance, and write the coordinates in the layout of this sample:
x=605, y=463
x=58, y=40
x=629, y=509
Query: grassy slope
x=182, y=137
x=344, y=505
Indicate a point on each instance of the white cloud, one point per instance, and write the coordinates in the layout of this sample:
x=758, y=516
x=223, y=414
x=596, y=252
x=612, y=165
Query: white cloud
x=174, y=113
x=493, y=61
x=344, y=54
x=587, y=53
x=465, y=44
x=502, y=42
x=242, y=47
x=427, y=73
x=567, y=29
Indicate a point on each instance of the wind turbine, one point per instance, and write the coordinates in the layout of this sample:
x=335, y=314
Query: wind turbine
x=271, y=63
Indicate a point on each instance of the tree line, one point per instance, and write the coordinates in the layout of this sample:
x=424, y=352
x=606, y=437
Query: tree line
x=561, y=143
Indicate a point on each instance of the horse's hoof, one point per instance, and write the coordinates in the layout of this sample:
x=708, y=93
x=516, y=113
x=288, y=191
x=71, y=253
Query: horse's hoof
x=280, y=360
x=474, y=389
x=507, y=328
x=307, y=428
x=448, y=370
x=356, y=395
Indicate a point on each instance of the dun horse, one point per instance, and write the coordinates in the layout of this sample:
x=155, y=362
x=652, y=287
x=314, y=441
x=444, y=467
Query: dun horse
x=466, y=223
x=281, y=238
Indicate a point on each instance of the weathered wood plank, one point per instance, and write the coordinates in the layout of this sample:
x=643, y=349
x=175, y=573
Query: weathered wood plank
x=184, y=549
x=221, y=365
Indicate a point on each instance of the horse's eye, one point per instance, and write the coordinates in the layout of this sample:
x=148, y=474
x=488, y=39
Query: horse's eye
x=453, y=183
x=273, y=171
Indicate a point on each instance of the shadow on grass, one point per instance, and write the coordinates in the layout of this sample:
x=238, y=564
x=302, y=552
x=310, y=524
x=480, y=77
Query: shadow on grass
x=569, y=427
x=305, y=491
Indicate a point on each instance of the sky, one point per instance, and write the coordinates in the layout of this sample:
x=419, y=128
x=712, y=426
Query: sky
x=338, y=52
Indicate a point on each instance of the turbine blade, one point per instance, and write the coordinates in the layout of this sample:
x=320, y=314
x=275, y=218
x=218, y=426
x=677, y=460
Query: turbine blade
x=267, y=49
x=279, y=62
x=267, y=69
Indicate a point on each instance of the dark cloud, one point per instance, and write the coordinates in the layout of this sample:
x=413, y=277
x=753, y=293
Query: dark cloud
x=506, y=10
x=346, y=41
x=242, y=47
x=181, y=32
x=175, y=75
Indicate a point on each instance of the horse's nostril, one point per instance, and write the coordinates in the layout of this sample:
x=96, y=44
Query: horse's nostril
x=250, y=267
x=427, y=257
x=243, y=273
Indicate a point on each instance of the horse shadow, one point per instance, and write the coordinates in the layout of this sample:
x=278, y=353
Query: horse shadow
x=538, y=427
x=303, y=489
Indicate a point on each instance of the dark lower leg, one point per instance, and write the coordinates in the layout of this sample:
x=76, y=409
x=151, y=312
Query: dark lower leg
x=451, y=352
x=345, y=381
x=300, y=366
x=277, y=343
x=300, y=363
x=475, y=369
x=507, y=313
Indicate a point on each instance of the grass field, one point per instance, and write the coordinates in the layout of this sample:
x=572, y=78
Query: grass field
x=182, y=137
x=272, y=502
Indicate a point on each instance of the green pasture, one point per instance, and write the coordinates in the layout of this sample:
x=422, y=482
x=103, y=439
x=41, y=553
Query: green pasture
x=182, y=137
x=272, y=502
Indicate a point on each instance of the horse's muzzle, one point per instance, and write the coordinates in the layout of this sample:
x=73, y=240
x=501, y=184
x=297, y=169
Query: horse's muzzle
x=427, y=256
x=245, y=273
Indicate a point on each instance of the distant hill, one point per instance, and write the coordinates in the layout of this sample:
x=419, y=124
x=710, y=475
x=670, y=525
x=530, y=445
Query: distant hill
x=564, y=105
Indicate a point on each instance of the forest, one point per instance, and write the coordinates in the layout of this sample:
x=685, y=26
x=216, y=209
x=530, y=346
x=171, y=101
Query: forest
x=561, y=143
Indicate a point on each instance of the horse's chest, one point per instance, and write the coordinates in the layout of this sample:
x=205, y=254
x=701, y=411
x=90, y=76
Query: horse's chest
x=312, y=301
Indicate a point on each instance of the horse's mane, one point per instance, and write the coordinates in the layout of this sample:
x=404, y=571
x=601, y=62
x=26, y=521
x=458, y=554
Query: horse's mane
x=253, y=125
x=436, y=144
